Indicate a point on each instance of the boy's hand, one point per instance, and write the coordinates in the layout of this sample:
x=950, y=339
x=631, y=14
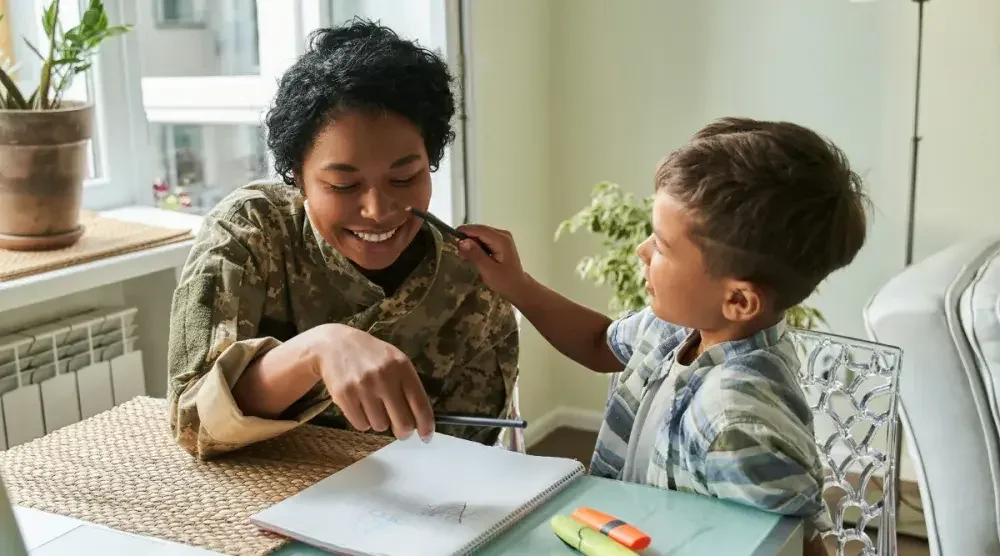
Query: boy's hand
x=502, y=272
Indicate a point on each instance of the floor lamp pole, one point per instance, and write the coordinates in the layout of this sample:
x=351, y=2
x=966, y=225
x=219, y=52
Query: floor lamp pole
x=912, y=209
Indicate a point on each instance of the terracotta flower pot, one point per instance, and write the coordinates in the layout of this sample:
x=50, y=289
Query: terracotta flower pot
x=43, y=162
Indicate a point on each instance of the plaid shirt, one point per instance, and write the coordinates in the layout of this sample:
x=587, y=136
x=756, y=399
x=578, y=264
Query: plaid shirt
x=738, y=426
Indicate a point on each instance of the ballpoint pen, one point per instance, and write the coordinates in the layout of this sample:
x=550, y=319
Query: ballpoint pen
x=439, y=224
x=479, y=421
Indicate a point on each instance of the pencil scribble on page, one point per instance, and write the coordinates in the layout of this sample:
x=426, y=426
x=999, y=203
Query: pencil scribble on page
x=455, y=512
x=373, y=520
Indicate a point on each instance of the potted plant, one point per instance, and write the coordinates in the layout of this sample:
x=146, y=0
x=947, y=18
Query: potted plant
x=625, y=222
x=44, y=138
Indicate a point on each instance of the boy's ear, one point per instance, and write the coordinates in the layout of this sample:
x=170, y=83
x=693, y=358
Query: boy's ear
x=743, y=302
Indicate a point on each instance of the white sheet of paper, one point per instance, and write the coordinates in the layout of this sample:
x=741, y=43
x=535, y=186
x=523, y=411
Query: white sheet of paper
x=22, y=411
x=96, y=395
x=416, y=499
x=47, y=534
x=88, y=540
x=128, y=377
x=38, y=527
x=60, y=402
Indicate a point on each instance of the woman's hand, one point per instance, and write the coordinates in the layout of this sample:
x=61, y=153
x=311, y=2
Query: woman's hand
x=372, y=382
x=502, y=272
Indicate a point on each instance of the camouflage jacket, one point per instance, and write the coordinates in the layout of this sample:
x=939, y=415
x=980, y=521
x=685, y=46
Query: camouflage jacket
x=259, y=274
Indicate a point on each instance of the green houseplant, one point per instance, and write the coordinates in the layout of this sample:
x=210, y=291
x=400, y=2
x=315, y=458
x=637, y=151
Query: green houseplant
x=623, y=222
x=44, y=138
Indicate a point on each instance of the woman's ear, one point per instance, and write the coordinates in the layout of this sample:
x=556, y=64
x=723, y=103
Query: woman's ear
x=297, y=178
x=743, y=302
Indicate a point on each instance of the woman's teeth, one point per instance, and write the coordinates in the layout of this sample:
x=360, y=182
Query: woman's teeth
x=375, y=238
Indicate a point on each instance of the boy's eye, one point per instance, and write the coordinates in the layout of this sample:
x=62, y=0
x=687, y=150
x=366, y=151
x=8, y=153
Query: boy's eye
x=341, y=188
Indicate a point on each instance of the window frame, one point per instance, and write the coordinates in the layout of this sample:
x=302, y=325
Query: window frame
x=118, y=131
x=239, y=99
x=161, y=22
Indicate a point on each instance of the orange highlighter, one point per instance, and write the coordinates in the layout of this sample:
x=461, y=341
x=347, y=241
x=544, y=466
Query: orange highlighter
x=614, y=528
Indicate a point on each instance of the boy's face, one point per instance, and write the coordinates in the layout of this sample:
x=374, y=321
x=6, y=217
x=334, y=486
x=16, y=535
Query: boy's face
x=681, y=290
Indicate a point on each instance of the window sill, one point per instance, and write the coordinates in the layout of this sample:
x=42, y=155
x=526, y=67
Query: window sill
x=34, y=289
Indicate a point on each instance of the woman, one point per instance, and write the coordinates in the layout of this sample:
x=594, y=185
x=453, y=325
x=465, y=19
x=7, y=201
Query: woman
x=322, y=298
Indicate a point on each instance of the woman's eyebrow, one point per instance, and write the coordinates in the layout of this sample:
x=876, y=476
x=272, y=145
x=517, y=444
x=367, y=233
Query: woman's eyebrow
x=343, y=167
x=339, y=167
x=405, y=160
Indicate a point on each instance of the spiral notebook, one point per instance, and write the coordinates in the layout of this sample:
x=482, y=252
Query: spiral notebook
x=449, y=496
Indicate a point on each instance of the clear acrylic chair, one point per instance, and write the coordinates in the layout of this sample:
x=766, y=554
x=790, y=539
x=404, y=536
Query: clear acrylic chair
x=513, y=439
x=852, y=387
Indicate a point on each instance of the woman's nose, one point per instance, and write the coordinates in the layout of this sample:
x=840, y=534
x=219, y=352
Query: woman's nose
x=376, y=205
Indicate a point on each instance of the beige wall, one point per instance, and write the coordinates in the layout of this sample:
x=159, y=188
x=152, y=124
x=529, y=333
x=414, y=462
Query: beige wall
x=634, y=79
x=571, y=92
x=509, y=153
x=959, y=188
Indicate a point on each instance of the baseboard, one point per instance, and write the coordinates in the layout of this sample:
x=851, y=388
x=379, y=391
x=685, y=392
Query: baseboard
x=562, y=417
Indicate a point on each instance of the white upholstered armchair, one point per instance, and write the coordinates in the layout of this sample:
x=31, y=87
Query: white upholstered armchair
x=944, y=312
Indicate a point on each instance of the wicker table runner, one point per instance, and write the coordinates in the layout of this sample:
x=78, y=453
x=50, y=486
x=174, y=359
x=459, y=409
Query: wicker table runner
x=102, y=238
x=123, y=470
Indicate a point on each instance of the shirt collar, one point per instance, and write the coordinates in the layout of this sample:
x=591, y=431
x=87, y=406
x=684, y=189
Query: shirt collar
x=762, y=339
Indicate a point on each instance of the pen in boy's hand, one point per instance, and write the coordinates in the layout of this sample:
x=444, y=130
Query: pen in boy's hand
x=439, y=224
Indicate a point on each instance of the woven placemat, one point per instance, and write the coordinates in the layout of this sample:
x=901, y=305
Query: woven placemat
x=102, y=238
x=122, y=469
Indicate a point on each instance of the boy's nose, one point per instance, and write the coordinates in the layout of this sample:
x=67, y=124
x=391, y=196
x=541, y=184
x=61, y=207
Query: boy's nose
x=643, y=251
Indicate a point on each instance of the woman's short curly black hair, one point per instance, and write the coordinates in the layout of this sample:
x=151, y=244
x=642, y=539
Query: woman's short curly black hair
x=359, y=66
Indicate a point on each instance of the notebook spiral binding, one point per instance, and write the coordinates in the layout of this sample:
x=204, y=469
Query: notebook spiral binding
x=514, y=517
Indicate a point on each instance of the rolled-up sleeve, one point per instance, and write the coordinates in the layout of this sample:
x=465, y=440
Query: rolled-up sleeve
x=214, y=323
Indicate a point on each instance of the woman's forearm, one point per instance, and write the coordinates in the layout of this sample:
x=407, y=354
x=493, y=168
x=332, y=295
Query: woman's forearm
x=275, y=381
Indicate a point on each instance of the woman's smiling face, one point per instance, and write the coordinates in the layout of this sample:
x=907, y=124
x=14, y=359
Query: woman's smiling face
x=360, y=174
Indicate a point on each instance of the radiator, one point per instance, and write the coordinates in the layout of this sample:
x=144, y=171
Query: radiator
x=60, y=372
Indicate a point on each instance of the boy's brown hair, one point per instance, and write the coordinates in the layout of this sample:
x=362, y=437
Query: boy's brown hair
x=773, y=203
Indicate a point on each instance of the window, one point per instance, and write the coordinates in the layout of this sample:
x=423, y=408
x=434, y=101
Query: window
x=206, y=84
x=114, y=161
x=191, y=157
x=180, y=13
x=179, y=101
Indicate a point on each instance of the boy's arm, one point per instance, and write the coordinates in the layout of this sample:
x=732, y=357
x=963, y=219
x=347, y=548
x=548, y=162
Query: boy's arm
x=576, y=331
x=751, y=463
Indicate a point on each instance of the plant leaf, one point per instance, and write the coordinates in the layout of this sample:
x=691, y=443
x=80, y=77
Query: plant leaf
x=92, y=17
x=49, y=17
x=14, y=97
x=33, y=49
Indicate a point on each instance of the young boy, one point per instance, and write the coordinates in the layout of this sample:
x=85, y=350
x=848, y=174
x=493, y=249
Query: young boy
x=748, y=218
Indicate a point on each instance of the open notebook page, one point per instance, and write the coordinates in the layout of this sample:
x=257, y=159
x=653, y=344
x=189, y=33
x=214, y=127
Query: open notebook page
x=419, y=499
